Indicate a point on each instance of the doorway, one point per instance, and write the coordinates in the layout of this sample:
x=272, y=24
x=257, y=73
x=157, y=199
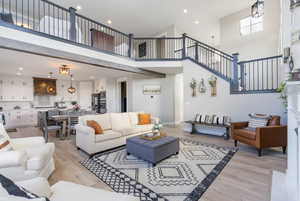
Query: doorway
x=123, y=96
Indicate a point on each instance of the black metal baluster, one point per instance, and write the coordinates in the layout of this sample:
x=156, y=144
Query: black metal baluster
x=22, y=13
x=28, y=14
x=272, y=74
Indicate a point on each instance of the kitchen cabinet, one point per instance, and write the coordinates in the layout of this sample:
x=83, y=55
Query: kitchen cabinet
x=20, y=118
x=16, y=89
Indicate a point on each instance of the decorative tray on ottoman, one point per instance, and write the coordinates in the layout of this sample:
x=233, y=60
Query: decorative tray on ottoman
x=152, y=137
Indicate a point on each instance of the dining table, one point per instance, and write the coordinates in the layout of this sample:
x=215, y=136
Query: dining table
x=65, y=121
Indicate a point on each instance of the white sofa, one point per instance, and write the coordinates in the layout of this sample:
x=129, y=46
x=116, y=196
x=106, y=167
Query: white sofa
x=117, y=128
x=66, y=191
x=30, y=157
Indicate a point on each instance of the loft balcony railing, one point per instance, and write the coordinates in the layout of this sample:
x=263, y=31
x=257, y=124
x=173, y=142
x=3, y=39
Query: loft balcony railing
x=50, y=20
x=259, y=75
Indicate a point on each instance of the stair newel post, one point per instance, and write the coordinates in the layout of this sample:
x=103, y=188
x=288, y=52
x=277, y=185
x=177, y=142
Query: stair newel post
x=72, y=24
x=242, y=76
x=197, y=51
x=235, y=81
x=130, y=41
x=184, y=46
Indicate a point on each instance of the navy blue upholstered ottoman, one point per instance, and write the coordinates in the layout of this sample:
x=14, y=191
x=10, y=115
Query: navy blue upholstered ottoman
x=152, y=151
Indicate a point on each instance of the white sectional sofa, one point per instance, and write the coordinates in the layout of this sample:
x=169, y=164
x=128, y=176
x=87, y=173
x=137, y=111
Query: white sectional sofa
x=117, y=128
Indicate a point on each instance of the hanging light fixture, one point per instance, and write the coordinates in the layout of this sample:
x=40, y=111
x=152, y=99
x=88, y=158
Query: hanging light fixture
x=64, y=70
x=71, y=89
x=257, y=9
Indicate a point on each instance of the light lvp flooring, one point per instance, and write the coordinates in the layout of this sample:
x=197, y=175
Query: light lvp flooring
x=247, y=177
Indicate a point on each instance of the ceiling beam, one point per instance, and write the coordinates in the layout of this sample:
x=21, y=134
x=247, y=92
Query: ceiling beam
x=58, y=54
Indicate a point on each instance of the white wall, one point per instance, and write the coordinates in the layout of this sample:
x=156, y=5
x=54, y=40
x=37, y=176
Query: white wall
x=236, y=106
x=162, y=105
x=257, y=45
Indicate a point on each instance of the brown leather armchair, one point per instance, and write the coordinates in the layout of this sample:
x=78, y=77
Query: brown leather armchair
x=273, y=135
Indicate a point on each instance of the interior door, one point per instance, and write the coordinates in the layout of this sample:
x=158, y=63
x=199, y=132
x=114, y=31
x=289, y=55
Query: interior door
x=102, y=40
x=123, y=97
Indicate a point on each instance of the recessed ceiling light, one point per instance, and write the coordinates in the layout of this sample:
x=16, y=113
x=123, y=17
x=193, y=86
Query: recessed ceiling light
x=78, y=7
x=19, y=73
x=196, y=22
x=185, y=10
x=20, y=69
x=109, y=21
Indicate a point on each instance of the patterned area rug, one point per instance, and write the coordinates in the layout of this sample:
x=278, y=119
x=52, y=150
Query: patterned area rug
x=182, y=177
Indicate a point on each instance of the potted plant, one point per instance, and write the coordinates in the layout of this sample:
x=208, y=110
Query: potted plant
x=283, y=93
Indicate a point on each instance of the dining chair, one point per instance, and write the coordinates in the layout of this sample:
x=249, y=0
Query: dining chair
x=49, y=114
x=49, y=128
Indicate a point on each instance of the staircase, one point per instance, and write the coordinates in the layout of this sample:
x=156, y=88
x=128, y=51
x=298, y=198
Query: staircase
x=50, y=20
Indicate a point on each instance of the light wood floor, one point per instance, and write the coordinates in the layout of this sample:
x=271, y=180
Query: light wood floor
x=247, y=177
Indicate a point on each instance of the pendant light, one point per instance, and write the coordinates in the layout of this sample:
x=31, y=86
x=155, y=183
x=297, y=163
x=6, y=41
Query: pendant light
x=71, y=89
x=257, y=9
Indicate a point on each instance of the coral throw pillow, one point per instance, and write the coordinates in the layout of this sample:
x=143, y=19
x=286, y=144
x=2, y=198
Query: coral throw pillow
x=93, y=124
x=144, y=119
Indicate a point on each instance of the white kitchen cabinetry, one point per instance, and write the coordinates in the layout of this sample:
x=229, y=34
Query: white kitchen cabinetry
x=20, y=118
x=16, y=89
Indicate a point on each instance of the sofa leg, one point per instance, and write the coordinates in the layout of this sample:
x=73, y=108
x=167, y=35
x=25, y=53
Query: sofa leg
x=235, y=143
x=259, y=151
x=284, y=149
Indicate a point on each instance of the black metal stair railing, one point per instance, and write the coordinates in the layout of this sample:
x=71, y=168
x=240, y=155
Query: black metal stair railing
x=209, y=57
x=259, y=75
x=50, y=20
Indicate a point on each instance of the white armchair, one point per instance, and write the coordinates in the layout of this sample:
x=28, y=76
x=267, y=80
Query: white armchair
x=31, y=157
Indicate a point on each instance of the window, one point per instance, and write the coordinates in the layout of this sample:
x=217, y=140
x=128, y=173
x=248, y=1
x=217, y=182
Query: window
x=251, y=25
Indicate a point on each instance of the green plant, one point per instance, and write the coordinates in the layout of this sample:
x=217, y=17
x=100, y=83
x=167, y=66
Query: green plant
x=283, y=93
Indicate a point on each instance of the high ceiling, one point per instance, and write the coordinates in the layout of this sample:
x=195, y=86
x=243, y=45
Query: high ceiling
x=40, y=66
x=150, y=17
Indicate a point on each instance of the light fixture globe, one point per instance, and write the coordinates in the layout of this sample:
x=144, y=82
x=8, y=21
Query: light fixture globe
x=71, y=90
x=257, y=9
x=64, y=70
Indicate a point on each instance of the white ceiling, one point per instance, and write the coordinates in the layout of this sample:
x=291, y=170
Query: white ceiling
x=40, y=66
x=149, y=17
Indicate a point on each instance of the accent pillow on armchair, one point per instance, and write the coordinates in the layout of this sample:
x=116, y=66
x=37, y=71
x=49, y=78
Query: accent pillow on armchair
x=258, y=120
